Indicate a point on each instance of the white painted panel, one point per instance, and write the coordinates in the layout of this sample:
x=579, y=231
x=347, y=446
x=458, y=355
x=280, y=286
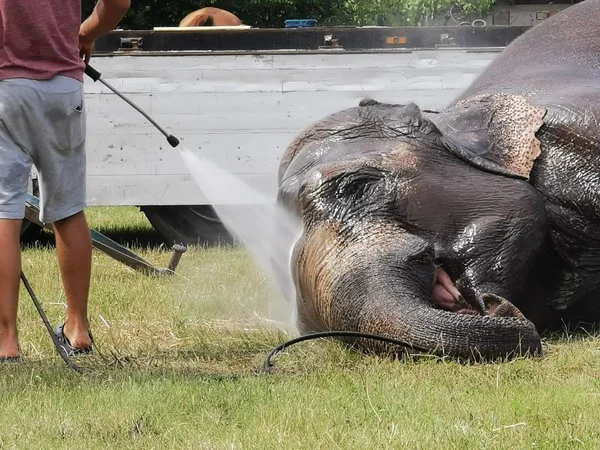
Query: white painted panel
x=132, y=155
x=240, y=111
x=160, y=187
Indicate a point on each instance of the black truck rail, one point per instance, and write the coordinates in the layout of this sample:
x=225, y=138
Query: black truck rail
x=317, y=38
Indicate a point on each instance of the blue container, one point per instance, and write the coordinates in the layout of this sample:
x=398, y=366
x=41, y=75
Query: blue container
x=301, y=23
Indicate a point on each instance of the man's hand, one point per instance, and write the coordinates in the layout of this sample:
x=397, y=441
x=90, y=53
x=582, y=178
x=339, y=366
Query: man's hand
x=106, y=15
x=86, y=47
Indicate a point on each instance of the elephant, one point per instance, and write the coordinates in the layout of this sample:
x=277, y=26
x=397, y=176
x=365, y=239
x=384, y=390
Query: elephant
x=210, y=17
x=470, y=231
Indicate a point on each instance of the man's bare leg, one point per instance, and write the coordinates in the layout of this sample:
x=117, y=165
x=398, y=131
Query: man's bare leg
x=10, y=274
x=74, y=250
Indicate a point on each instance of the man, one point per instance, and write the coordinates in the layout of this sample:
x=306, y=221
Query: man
x=43, y=46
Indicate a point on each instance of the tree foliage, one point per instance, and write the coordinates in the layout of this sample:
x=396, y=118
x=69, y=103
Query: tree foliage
x=273, y=13
x=409, y=12
x=257, y=13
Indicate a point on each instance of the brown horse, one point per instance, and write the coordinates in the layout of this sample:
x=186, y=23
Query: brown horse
x=210, y=17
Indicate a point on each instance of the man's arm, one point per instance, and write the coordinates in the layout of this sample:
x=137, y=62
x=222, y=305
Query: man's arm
x=106, y=16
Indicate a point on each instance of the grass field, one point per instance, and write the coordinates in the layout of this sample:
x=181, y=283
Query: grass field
x=179, y=359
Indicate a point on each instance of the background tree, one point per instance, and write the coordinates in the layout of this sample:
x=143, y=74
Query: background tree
x=273, y=13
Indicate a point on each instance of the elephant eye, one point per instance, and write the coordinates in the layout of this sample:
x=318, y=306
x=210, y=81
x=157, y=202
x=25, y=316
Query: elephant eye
x=426, y=259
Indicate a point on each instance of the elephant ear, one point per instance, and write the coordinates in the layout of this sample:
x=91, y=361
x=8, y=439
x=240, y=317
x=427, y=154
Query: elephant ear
x=495, y=132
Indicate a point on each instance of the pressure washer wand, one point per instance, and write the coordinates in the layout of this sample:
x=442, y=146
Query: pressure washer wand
x=59, y=348
x=97, y=76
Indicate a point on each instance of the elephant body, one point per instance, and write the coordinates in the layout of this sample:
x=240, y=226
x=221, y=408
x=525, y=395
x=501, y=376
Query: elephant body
x=210, y=17
x=467, y=231
x=557, y=67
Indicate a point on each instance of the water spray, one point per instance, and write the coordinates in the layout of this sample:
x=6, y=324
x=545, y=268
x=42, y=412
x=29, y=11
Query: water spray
x=174, y=142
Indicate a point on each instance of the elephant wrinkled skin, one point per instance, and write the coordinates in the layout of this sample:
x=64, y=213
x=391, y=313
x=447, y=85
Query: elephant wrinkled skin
x=467, y=231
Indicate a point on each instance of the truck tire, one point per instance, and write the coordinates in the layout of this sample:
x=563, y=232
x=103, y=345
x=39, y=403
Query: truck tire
x=30, y=231
x=188, y=225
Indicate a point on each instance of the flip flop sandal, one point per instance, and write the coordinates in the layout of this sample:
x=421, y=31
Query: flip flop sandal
x=70, y=350
x=10, y=359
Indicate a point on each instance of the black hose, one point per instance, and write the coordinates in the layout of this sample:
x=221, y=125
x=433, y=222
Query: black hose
x=267, y=366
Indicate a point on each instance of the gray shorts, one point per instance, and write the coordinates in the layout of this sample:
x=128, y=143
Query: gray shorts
x=42, y=123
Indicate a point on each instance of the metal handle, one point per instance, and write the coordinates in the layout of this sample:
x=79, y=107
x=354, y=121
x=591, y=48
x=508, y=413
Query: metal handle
x=92, y=73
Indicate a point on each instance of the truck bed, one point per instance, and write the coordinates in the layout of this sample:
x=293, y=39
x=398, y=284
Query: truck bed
x=241, y=108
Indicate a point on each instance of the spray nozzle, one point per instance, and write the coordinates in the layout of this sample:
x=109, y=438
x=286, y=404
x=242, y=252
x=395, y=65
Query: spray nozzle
x=173, y=140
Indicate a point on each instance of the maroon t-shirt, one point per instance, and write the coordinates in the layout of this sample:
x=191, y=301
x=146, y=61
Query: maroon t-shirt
x=39, y=39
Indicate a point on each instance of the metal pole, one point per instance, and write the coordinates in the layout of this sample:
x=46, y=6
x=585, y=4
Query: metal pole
x=59, y=348
x=97, y=76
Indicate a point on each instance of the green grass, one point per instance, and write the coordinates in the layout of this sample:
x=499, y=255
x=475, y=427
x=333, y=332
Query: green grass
x=179, y=359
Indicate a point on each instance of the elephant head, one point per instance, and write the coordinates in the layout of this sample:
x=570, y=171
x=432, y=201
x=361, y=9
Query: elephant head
x=405, y=232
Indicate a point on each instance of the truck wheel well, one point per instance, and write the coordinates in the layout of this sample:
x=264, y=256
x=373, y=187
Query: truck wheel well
x=188, y=225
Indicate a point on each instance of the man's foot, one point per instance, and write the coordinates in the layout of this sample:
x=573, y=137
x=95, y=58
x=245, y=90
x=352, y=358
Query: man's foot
x=9, y=356
x=76, y=347
x=9, y=345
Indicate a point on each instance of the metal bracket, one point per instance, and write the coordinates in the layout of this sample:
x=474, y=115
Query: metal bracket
x=131, y=43
x=110, y=247
x=446, y=41
x=330, y=42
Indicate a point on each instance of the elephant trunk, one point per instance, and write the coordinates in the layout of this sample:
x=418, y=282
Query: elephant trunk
x=446, y=333
x=368, y=285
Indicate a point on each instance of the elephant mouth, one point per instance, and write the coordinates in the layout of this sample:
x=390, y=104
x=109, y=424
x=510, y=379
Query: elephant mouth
x=448, y=297
x=445, y=293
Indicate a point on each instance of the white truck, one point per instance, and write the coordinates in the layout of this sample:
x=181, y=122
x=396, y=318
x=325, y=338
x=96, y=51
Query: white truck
x=239, y=97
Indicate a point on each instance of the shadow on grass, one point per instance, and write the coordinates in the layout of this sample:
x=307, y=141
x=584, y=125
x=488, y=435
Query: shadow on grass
x=206, y=360
x=243, y=359
x=127, y=237
x=211, y=364
x=180, y=366
x=54, y=373
x=203, y=362
x=572, y=331
x=132, y=239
